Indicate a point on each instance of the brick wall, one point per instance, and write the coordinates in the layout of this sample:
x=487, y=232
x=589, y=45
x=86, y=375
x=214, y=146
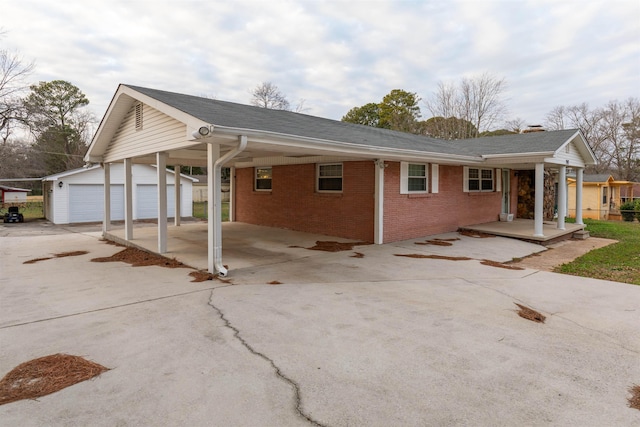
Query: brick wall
x=408, y=216
x=294, y=204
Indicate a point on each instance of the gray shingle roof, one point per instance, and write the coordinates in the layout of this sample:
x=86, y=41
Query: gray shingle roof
x=229, y=114
x=535, y=142
x=603, y=177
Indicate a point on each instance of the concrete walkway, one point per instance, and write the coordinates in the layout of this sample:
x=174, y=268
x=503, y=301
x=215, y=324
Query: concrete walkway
x=373, y=339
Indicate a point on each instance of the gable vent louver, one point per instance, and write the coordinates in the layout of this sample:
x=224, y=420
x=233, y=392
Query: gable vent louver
x=139, y=116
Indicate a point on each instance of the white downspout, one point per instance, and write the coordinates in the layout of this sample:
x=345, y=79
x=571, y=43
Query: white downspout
x=217, y=202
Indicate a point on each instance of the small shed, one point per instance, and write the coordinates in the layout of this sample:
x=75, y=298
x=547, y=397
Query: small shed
x=12, y=195
x=77, y=195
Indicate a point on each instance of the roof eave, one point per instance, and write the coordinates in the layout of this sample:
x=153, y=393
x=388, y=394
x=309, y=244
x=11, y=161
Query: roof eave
x=341, y=147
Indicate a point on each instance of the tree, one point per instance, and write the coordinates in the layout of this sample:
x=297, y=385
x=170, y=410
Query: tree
x=477, y=100
x=398, y=111
x=13, y=72
x=368, y=114
x=612, y=132
x=267, y=95
x=61, y=128
x=516, y=125
x=449, y=128
x=623, y=122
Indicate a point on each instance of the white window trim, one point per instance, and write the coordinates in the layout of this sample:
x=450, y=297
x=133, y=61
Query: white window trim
x=465, y=180
x=255, y=178
x=318, y=165
x=404, y=178
x=435, y=178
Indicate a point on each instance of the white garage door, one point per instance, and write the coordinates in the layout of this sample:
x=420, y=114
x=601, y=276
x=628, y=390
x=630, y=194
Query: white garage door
x=86, y=202
x=117, y=202
x=147, y=201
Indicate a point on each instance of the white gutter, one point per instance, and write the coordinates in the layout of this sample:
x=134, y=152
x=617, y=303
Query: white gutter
x=217, y=201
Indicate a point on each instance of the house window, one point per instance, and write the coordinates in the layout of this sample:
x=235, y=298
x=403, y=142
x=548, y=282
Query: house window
x=604, y=195
x=414, y=178
x=330, y=177
x=417, y=178
x=138, y=109
x=479, y=179
x=263, y=179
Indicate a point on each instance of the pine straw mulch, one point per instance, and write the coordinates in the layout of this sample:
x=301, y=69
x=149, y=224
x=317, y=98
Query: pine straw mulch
x=329, y=246
x=140, y=258
x=449, y=258
x=477, y=234
x=46, y=375
x=357, y=255
x=202, y=276
x=634, y=400
x=60, y=255
x=274, y=282
x=462, y=258
x=530, y=314
x=438, y=242
x=499, y=265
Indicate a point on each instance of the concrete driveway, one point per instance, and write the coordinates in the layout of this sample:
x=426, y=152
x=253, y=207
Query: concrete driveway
x=373, y=340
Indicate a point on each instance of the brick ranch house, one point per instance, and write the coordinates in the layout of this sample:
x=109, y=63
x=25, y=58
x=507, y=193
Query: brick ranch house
x=305, y=173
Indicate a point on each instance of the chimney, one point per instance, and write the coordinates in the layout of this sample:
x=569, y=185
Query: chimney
x=533, y=128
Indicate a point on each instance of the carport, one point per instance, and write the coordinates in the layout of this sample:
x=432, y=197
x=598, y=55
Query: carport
x=147, y=126
x=245, y=245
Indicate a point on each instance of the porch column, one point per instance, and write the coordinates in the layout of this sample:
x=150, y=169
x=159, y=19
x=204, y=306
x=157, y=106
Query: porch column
x=562, y=197
x=378, y=215
x=128, y=201
x=161, y=163
x=232, y=194
x=214, y=219
x=176, y=183
x=106, y=219
x=539, y=201
x=579, y=173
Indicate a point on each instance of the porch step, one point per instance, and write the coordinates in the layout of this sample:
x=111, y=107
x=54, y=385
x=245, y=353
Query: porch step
x=581, y=235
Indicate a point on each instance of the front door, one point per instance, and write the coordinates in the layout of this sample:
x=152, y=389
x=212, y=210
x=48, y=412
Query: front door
x=506, y=191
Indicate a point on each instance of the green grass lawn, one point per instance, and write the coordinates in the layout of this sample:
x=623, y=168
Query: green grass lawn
x=619, y=262
x=200, y=210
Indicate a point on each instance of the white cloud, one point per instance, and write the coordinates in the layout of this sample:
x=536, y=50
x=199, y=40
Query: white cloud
x=335, y=54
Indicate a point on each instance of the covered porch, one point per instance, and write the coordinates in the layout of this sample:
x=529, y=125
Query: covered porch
x=523, y=229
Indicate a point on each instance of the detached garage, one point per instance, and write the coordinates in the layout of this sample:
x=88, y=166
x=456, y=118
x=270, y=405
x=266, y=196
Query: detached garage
x=78, y=195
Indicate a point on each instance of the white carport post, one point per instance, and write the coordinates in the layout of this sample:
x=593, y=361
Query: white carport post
x=579, y=173
x=213, y=214
x=562, y=197
x=106, y=219
x=232, y=194
x=176, y=182
x=161, y=163
x=378, y=216
x=128, y=201
x=539, y=201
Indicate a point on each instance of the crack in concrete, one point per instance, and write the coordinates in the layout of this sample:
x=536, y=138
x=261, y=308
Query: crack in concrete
x=296, y=387
x=104, y=308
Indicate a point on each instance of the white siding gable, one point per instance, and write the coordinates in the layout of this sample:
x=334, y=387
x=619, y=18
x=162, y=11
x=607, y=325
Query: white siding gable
x=159, y=132
x=570, y=152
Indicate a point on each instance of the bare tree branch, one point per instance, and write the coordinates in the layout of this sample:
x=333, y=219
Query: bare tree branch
x=267, y=95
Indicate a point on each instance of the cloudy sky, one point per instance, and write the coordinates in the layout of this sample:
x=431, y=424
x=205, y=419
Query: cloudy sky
x=334, y=54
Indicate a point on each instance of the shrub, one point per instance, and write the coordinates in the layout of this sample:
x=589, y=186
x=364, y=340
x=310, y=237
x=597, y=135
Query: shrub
x=627, y=210
x=638, y=209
